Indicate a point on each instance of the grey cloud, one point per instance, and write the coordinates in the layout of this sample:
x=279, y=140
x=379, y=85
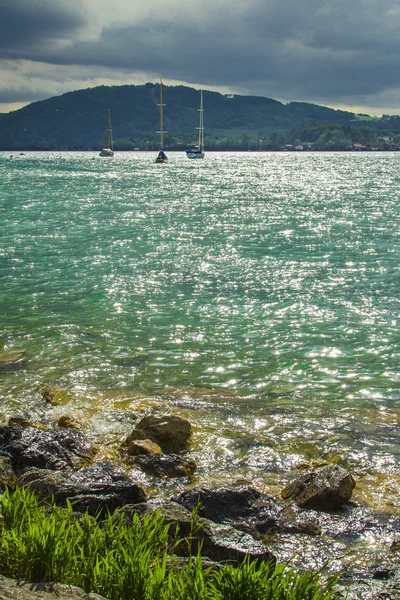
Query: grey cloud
x=313, y=50
x=292, y=54
x=26, y=26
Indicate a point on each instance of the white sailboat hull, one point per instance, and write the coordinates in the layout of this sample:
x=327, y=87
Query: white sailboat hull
x=194, y=154
x=106, y=152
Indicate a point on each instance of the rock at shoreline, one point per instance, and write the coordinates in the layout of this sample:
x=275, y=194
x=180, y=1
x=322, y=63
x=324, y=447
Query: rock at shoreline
x=99, y=487
x=11, y=589
x=248, y=510
x=52, y=449
x=221, y=505
x=326, y=488
x=222, y=543
x=219, y=542
x=166, y=465
x=174, y=514
x=170, y=432
x=369, y=588
x=7, y=475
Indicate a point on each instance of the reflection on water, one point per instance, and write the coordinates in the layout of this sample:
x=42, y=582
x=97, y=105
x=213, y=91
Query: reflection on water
x=258, y=296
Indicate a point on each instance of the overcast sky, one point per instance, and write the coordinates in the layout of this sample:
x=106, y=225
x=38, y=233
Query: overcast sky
x=340, y=53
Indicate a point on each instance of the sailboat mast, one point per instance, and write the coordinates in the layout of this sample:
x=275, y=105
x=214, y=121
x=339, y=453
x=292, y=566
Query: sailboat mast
x=109, y=131
x=198, y=151
x=201, y=121
x=161, y=118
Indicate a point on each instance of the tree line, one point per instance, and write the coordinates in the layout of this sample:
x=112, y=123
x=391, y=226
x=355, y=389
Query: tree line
x=78, y=120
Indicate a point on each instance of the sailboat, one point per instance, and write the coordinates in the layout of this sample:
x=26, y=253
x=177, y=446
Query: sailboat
x=198, y=151
x=162, y=157
x=109, y=150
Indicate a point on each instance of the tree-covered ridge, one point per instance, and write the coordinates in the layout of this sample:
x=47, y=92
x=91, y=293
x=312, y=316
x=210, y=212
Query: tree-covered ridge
x=78, y=121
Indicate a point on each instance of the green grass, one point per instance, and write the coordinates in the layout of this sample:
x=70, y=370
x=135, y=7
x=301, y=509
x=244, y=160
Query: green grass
x=367, y=118
x=131, y=560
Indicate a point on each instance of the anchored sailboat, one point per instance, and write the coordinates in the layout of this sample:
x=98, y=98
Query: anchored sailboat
x=198, y=151
x=109, y=150
x=162, y=157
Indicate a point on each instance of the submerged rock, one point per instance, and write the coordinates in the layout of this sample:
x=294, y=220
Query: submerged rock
x=12, y=361
x=166, y=465
x=52, y=449
x=67, y=421
x=135, y=360
x=99, y=487
x=56, y=396
x=326, y=488
x=23, y=422
x=170, y=432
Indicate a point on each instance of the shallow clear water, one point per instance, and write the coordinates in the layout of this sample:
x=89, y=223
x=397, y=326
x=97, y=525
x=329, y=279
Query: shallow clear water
x=257, y=294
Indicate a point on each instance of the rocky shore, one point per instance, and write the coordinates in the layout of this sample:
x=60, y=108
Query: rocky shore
x=315, y=510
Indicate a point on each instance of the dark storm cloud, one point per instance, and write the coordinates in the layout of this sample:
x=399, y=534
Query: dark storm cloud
x=314, y=50
x=28, y=26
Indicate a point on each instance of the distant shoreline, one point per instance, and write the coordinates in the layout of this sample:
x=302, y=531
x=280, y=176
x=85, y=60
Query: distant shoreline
x=21, y=151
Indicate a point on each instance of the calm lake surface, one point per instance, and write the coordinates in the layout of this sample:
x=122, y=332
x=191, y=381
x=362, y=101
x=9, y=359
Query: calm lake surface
x=256, y=294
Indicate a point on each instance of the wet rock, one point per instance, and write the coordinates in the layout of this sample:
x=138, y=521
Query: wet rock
x=219, y=542
x=170, y=432
x=292, y=520
x=136, y=447
x=222, y=543
x=166, y=465
x=395, y=546
x=248, y=510
x=221, y=505
x=7, y=475
x=52, y=449
x=99, y=487
x=326, y=488
x=174, y=514
x=367, y=589
x=383, y=574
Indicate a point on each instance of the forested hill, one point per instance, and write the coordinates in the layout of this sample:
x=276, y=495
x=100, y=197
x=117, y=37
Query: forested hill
x=78, y=120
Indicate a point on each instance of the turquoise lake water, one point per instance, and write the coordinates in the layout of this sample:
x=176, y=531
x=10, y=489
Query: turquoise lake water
x=255, y=293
